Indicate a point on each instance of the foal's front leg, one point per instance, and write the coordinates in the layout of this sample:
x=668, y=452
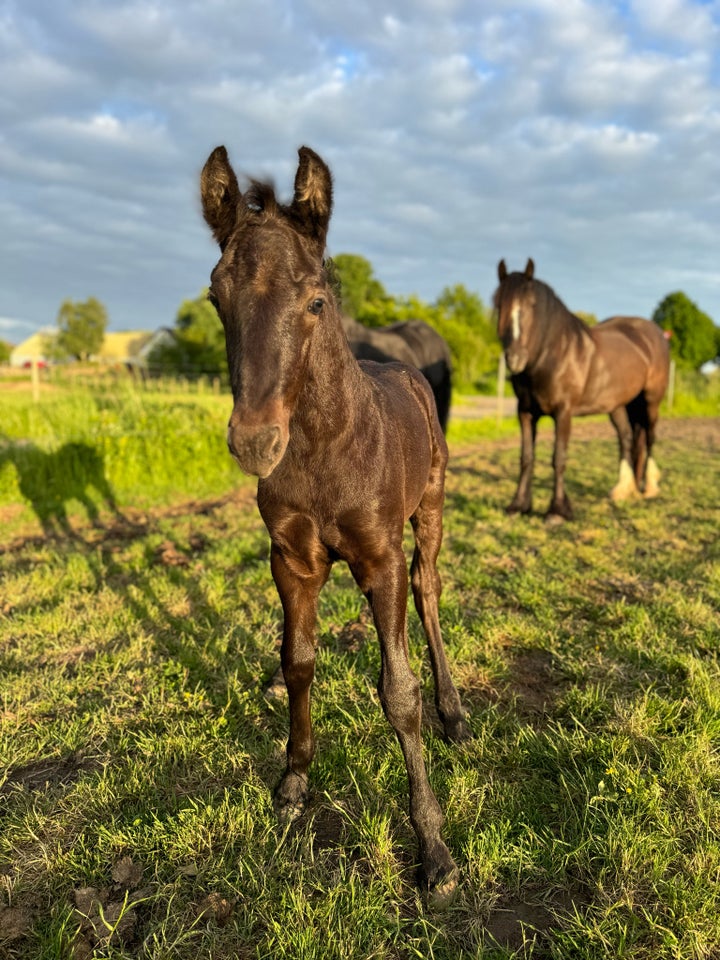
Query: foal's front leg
x=299, y=587
x=384, y=582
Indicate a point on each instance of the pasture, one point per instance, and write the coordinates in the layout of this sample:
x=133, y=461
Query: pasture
x=139, y=625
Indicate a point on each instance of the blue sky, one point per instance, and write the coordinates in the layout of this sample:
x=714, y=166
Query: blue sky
x=583, y=134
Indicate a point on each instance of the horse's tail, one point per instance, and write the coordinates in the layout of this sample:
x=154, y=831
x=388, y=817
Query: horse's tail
x=442, y=389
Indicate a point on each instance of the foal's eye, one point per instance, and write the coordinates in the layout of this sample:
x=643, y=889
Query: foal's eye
x=316, y=306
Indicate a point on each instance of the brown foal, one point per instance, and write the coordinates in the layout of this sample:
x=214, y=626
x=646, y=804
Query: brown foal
x=346, y=453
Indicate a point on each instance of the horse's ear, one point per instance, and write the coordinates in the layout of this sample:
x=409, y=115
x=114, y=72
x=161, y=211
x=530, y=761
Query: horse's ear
x=220, y=195
x=529, y=268
x=312, y=203
x=502, y=271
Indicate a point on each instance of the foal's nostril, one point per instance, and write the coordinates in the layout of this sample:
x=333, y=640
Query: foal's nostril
x=256, y=451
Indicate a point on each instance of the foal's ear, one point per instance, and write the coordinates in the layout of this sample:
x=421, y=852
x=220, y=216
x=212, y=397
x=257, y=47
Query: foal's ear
x=220, y=195
x=312, y=203
x=529, y=268
x=502, y=271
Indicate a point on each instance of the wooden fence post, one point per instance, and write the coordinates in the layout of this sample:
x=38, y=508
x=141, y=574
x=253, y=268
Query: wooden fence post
x=35, y=379
x=671, y=386
x=501, y=388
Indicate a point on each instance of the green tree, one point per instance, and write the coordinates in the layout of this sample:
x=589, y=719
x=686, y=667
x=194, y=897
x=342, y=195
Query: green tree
x=81, y=328
x=361, y=293
x=693, y=335
x=468, y=327
x=4, y=352
x=199, y=347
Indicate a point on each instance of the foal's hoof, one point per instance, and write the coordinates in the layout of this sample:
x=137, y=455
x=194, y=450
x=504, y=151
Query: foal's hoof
x=440, y=879
x=290, y=797
x=457, y=730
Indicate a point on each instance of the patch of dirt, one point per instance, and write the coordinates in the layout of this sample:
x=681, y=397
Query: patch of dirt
x=216, y=907
x=109, y=916
x=513, y=923
x=133, y=524
x=15, y=923
x=531, y=689
x=52, y=772
x=353, y=635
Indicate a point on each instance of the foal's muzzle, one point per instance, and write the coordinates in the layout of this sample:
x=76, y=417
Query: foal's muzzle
x=257, y=450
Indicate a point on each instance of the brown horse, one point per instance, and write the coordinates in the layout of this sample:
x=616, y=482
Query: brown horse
x=560, y=367
x=410, y=341
x=346, y=453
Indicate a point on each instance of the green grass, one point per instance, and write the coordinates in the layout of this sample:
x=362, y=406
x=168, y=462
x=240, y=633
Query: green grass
x=139, y=753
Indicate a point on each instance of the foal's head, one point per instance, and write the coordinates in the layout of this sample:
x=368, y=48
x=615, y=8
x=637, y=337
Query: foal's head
x=515, y=306
x=270, y=290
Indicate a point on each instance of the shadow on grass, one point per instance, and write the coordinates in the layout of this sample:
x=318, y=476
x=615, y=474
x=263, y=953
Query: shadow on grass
x=50, y=480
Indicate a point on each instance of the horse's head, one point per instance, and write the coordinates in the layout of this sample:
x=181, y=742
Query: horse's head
x=515, y=307
x=269, y=289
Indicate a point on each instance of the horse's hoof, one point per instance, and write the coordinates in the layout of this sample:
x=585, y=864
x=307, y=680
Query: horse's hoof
x=276, y=689
x=441, y=881
x=554, y=519
x=652, y=480
x=290, y=797
x=441, y=896
x=457, y=730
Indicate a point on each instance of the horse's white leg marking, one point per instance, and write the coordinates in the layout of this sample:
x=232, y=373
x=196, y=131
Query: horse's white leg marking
x=515, y=318
x=626, y=486
x=652, y=479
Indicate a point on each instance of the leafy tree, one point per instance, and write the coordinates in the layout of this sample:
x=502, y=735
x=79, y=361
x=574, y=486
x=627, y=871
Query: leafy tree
x=199, y=346
x=693, y=335
x=4, y=352
x=469, y=329
x=589, y=318
x=361, y=293
x=82, y=328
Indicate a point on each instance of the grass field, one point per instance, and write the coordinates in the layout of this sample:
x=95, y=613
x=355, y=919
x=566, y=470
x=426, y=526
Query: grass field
x=138, y=628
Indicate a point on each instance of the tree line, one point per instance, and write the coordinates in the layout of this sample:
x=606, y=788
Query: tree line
x=458, y=314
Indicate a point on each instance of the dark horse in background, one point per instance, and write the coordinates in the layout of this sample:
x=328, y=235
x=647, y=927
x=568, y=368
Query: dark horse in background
x=409, y=341
x=346, y=453
x=560, y=367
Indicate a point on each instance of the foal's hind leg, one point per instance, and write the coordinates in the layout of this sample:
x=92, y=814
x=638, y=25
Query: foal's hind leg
x=427, y=525
x=383, y=580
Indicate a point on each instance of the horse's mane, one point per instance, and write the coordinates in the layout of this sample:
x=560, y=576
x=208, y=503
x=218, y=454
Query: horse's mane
x=551, y=312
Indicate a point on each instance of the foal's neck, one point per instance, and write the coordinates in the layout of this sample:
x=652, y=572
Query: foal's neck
x=333, y=393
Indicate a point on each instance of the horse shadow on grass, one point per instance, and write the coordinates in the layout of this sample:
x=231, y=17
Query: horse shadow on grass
x=49, y=481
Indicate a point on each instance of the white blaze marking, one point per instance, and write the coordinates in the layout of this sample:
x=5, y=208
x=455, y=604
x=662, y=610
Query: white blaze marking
x=515, y=318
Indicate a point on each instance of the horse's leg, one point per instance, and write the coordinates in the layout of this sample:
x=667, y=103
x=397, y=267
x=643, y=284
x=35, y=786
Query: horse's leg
x=426, y=586
x=522, y=501
x=560, y=508
x=626, y=485
x=384, y=583
x=299, y=587
x=652, y=472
